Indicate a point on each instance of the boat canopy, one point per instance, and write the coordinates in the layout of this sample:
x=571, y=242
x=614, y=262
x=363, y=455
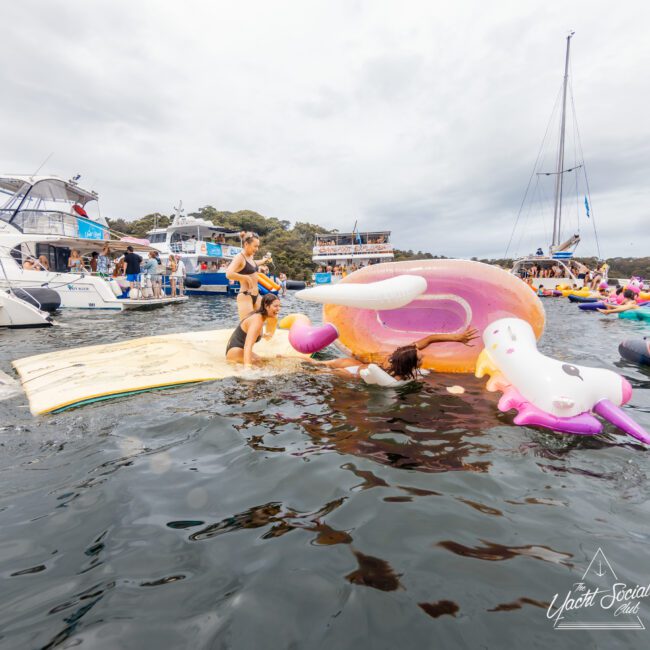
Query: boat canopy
x=46, y=194
x=85, y=245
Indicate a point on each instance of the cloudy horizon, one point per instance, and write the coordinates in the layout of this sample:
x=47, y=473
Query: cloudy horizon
x=421, y=119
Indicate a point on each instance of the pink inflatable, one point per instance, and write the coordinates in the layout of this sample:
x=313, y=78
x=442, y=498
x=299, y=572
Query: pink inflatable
x=457, y=294
x=305, y=337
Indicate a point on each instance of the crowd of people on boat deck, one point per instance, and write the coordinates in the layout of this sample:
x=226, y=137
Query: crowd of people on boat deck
x=590, y=278
x=341, y=270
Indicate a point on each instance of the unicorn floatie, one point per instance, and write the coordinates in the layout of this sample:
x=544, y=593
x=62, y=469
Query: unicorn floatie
x=547, y=392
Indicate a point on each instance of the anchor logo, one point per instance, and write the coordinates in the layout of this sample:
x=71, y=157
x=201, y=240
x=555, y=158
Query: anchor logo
x=599, y=601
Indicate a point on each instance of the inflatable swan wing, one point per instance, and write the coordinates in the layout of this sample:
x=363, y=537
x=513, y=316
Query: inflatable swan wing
x=547, y=392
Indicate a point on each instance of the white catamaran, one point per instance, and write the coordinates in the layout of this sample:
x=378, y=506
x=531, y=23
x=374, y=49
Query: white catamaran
x=556, y=267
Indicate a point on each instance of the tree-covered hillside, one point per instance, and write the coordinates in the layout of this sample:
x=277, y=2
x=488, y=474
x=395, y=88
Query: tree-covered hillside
x=291, y=246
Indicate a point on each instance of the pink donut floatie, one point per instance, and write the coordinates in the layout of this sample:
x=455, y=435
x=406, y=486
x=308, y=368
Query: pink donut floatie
x=458, y=294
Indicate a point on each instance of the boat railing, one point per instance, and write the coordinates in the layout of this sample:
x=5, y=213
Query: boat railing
x=354, y=249
x=52, y=222
x=205, y=248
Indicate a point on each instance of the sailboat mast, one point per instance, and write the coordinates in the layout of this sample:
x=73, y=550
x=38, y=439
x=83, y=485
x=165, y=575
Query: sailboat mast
x=557, y=213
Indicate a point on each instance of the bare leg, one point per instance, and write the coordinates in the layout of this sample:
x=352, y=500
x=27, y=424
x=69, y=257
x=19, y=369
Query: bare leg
x=245, y=305
x=236, y=355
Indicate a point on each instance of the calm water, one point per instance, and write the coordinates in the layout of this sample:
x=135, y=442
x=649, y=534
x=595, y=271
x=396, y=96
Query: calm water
x=310, y=511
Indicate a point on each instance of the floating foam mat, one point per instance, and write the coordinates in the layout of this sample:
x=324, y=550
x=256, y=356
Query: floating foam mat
x=73, y=377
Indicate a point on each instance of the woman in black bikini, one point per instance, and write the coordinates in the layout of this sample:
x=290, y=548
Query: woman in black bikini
x=249, y=330
x=243, y=268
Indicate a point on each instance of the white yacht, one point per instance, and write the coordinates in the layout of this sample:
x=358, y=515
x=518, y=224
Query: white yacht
x=48, y=216
x=198, y=242
x=348, y=251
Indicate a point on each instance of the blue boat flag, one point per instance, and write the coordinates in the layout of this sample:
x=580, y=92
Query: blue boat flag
x=587, y=207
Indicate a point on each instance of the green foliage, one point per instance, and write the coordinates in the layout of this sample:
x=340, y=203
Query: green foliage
x=140, y=227
x=292, y=246
x=401, y=256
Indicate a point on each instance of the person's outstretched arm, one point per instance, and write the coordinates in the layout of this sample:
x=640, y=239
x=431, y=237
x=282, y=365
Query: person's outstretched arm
x=271, y=325
x=464, y=337
x=610, y=309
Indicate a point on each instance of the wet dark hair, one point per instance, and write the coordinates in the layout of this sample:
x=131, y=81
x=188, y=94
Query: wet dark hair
x=266, y=302
x=404, y=362
x=628, y=293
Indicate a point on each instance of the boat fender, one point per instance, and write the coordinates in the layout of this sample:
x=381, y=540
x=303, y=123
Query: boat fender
x=192, y=283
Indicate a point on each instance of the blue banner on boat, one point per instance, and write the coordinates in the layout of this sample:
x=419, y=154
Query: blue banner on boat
x=322, y=278
x=563, y=255
x=90, y=230
x=213, y=250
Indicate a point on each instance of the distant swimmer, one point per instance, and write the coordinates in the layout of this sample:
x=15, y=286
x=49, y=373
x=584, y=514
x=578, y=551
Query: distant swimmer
x=250, y=329
x=243, y=269
x=404, y=362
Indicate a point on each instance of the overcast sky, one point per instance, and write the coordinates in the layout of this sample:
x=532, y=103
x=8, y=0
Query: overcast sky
x=424, y=118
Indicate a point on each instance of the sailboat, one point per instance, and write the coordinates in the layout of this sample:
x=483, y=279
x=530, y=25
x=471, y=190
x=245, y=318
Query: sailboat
x=559, y=252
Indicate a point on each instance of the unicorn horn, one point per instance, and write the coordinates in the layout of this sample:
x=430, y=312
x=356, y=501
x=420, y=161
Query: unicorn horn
x=612, y=413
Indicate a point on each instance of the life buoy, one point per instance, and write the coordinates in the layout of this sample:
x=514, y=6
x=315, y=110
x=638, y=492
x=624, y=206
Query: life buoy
x=79, y=210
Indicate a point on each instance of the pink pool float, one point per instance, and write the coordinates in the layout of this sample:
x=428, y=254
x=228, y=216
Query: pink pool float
x=384, y=306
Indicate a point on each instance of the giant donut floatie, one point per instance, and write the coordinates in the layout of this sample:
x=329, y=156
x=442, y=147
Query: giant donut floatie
x=457, y=294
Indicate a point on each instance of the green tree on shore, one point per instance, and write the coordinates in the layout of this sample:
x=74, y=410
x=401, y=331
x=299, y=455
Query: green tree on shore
x=292, y=246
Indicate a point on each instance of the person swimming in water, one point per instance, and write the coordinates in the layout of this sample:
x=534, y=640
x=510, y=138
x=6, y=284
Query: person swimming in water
x=404, y=362
x=250, y=330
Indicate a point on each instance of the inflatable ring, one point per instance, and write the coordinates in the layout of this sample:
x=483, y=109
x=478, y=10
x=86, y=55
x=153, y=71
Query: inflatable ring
x=574, y=298
x=591, y=306
x=642, y=314
x=636, y=350
x=456, y=294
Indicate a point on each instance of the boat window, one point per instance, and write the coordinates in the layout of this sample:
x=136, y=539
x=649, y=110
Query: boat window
x=156, y=238
x=10, y=200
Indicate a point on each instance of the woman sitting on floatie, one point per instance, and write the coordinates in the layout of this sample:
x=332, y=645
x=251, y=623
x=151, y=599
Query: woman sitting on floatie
x=628, y=303
x=250, y=328
x=404, y=362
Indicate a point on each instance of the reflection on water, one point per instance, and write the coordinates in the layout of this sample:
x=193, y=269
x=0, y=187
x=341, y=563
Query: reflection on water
x=442, y=607
x=418, y=427
x=497, y=552
x=165, y=517
x=374, y=572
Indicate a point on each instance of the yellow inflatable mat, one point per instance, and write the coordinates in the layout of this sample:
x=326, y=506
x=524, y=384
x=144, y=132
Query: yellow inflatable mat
x=73, y=377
